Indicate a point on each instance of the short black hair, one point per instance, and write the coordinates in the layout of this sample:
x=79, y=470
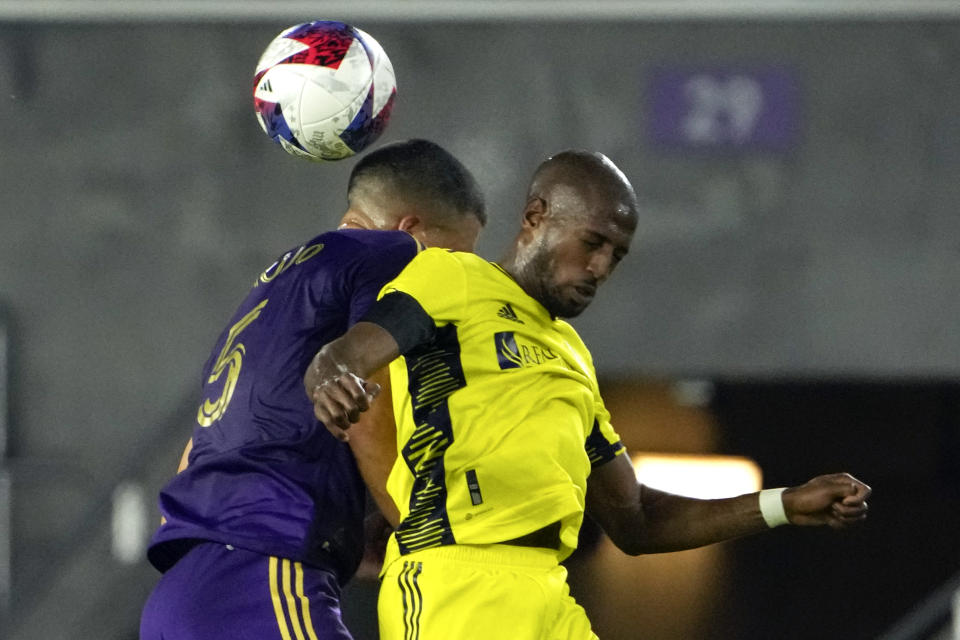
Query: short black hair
x=427, y=172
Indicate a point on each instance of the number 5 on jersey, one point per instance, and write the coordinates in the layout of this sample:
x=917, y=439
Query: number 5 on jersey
x=230, y=360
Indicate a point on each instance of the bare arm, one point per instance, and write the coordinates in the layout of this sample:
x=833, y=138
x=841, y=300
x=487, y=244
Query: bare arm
x=373, y=440
x=640, y=519
x=184, y=463
x=185, y=457
x=335, y=380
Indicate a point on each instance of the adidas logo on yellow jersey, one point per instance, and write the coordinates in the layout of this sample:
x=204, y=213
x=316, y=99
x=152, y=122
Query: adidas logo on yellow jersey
x=507, y=312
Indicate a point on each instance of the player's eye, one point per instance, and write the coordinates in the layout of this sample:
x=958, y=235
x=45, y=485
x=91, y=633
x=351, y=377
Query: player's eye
x=592, y=243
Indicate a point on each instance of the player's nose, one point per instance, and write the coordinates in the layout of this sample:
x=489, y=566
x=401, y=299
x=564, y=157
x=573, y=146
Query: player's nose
x=601, y=263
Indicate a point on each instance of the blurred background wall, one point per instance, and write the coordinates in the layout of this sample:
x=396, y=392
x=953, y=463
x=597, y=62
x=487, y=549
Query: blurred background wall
x=798, y=259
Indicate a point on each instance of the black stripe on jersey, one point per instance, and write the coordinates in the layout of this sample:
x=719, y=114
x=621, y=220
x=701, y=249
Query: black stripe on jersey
x=407, y=599
x=419, y=596
x=403, y=318
x=434, y=372
x=598, y=449
x=412, y=599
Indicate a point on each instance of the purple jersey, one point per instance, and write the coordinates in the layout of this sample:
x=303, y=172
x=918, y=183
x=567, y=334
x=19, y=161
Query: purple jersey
x=264, y=474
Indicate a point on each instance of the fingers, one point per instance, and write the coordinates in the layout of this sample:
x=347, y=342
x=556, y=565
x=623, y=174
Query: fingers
x=337, y=432
x=861, y=490
x=847, y=488
x=372, y=390
x=330, y=412
x=842, y=516
x=855, y=492
x=854, y=499
x=837, y=500
x=338, y=402
x=849, y=512
x=851, y=507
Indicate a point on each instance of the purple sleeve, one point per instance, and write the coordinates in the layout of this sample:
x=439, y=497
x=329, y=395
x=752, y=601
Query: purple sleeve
x=373, y=268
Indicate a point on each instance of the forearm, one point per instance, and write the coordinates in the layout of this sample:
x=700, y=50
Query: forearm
x=393, y=326
x=335, y=379
x=640, y=519
x=673, y=523
x=365, y=348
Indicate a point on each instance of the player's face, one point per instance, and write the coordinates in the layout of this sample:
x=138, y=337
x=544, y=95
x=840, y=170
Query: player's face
x=580, y=244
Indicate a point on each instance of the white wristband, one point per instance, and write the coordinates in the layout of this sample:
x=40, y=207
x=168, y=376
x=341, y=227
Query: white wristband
x=771, y=507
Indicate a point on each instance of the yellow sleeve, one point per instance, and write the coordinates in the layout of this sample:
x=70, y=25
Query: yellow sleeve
x=603, y=444
x=436, y=279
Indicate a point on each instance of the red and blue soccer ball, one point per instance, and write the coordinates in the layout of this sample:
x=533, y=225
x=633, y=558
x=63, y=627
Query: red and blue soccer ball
x=324, y=90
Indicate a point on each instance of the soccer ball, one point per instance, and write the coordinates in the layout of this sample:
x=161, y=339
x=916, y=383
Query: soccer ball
x=324, y=90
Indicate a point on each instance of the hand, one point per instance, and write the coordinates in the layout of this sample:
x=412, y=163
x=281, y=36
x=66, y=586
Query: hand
x=837, y=500
x=338, y=396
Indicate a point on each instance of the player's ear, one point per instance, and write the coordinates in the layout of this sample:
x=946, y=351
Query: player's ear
x=534, y=212
x=409, y=223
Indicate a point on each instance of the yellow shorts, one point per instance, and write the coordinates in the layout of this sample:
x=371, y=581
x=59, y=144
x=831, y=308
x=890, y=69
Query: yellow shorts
x=479, y=592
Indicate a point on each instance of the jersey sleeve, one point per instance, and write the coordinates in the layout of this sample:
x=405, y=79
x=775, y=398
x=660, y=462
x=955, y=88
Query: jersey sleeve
x=372, y=268
x=429, y=293
x=437, y=281
x=603, y=444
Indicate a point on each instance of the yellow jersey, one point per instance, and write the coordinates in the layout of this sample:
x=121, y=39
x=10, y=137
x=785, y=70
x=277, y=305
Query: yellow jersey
x=499, y=417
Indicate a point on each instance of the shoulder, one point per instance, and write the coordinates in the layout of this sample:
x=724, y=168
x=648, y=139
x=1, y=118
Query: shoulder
x=448, y=265
x=363, y=251
x=573, y=338
x=437, y=258
x=447, y=258
x=369, y=241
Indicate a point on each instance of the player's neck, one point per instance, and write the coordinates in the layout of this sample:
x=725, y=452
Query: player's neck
x=516, y=267
x=511, y=264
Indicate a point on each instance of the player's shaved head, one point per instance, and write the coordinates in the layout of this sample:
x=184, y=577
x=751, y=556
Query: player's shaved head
x=419, y=187
x=424, y=175
x=578, y=171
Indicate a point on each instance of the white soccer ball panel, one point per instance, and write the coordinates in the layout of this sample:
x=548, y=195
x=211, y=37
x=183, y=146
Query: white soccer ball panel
x=319, y=106
x=384, y=79
x=280, y=84
x=305, y=96
x=336, y=121
x=342, y=84
x=322, y=136
x=355, y=70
